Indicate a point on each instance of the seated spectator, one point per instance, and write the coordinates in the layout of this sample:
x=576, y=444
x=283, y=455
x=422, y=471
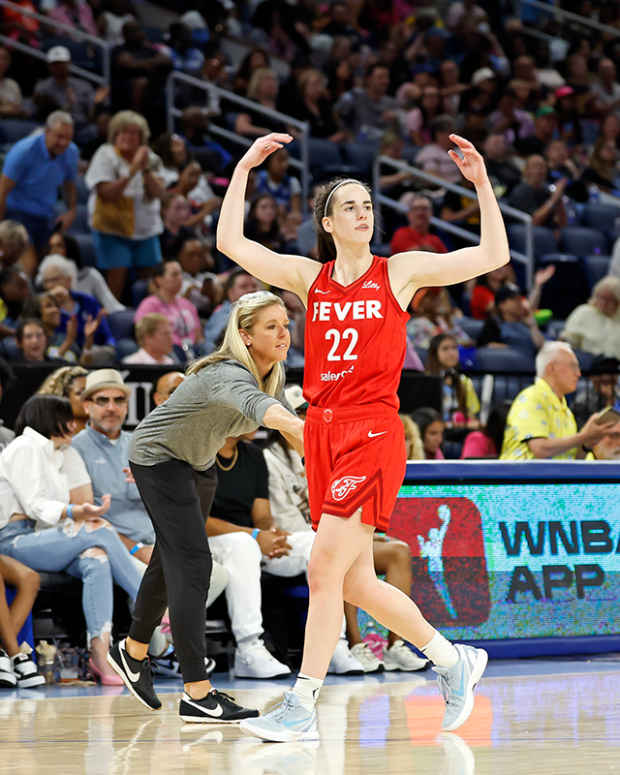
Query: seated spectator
x=451, y=87
x=434, y=313
x=154, y=335
x=316, y=107
x=297, y=326
x=74, y=13
x=600, y=390
x=34, y=169
x=60, y=344
x=15, y=247
x=182, y=314
x=199, y=285
x=512, y=324
x=68, y=382
x=176, y=216
x=17, y=670
x=93, y=333
x=560, y=165
x=244, y=537
x=193, y=185
x=62, y=91
x=14, y=292
x=487, y=442
x=11, y=101
x=125, y=189
x=500, y=169
x=433, y=158
x=540, y=425
x=461, y=210
x=602, y=168
x=535, y=143
x=7, y=378
x=238, y=283
x=460, y=402
x=276, y=181
x=595, y=326
x=418, y=120
x=263, y=90
x=537, y=198
x=431, y=428
x=262, y=223
x=89, y=280
x=48, y=520
x=195, y=128
x=606, y=91
x=182, y=50
x=417, y=236
x=166, y=385
x=509, y=121
x=368, y=112
x=111, y=19
x=139, y=73
x=482, y=301
x=32, y=342
x=413, y=440
x=256, y=58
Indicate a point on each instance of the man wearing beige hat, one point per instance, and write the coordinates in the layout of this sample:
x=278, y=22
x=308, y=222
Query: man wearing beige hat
x=104, y=446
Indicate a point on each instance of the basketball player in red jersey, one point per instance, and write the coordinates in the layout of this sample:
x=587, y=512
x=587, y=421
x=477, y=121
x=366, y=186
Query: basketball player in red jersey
x=354, y=446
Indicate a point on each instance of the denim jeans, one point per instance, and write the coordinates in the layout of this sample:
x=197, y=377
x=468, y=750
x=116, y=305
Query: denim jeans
x=66, y=548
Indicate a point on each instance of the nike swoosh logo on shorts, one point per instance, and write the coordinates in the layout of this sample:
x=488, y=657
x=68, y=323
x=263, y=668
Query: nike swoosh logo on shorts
x=371, y=435
x=133, y=677
x=216, y=712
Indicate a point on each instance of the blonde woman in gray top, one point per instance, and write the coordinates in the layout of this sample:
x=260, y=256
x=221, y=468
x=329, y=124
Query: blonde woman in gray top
x=172, y=456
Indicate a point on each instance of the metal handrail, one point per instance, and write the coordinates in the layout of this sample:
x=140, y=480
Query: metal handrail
x=302, y=164
x=526, y=258
x=570, y=16
x=73, y=31
x=35, y=52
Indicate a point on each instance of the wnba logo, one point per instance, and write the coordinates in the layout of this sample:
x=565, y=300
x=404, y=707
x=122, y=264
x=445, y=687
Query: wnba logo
x=450, y=577
x=343, y=486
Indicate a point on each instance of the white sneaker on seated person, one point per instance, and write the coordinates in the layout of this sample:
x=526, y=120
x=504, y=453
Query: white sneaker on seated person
x=253, y=660
x=400, y=657
x=344, y=662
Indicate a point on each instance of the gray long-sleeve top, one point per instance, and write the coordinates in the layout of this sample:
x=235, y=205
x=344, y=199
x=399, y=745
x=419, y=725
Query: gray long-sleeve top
x=221, y=400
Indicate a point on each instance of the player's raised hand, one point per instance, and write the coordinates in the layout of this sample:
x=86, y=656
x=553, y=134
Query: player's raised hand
x=264, y=147
x=471, y=163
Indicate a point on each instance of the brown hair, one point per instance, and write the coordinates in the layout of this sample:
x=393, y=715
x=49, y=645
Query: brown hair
x=322, y=197
x=436, y=369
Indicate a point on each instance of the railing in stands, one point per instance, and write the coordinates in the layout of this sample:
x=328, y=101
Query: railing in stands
x=301, y=164
x=526, y=258
x=568, y=16
x=72, y=32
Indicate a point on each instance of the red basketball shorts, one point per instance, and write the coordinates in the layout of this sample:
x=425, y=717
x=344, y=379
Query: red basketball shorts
x=355, y=457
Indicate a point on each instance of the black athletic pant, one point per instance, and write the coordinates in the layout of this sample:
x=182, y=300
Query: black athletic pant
x=178, y=500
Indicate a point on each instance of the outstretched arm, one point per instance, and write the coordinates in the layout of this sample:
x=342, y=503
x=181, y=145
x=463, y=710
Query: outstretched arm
x=294, y=273
x=412, y=270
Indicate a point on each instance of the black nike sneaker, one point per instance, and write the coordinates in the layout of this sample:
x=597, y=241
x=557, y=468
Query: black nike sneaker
x=215, y=708
x=136, y=675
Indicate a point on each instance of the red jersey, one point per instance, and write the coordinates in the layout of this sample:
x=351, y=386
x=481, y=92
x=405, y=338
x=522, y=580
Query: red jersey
x=355, y=340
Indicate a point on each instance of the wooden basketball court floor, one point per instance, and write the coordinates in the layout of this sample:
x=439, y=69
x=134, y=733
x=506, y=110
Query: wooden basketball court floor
x=531, y=716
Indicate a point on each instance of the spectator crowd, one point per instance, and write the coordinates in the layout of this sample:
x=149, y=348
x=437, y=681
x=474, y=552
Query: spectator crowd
x=107, y=256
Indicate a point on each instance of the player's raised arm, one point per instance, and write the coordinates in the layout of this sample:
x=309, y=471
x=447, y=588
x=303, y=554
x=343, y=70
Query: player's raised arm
x=294, y=273
x=412, y=270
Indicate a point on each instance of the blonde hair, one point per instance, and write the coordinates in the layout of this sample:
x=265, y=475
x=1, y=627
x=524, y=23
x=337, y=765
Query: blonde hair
x=413, y=440
x=59, y=382
x=257, y=77
x=13, y=239
x=608, y=283
x=124, y=119
x=243, y=315
x=148, y=325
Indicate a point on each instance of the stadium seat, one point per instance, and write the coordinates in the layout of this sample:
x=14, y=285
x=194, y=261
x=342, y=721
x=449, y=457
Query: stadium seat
x=121, y=323
x=82, y=190
x=323, y=153
x=567, y=288
x=583, y=241
x=544, y=239
x=471, y=326
x=80, y=224
x=500, y=359
x=139, y=291
x=597, y=267
x=14, y=129
x=87, y=249
x=601, y=217
x=125, y=347
x=361, y=157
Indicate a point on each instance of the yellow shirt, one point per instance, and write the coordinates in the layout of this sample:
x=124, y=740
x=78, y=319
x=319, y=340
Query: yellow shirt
x=537, y=413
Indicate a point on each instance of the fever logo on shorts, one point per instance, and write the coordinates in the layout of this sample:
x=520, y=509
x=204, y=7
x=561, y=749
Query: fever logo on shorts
x=343, y=486
x=450, y=578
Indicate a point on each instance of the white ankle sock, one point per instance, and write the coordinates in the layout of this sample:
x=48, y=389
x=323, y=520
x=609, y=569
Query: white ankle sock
x=440, y=651
x=307, y=689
